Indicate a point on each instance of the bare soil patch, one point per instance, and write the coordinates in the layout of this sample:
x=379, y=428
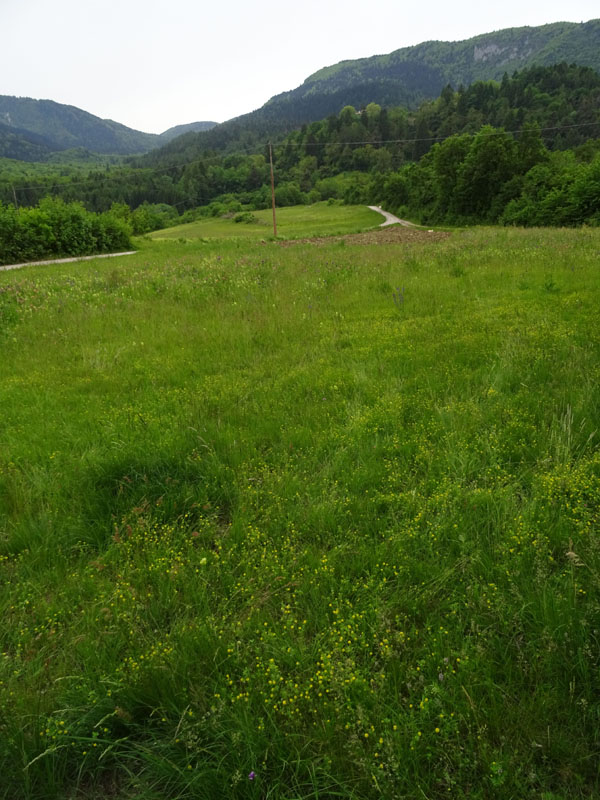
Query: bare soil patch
x=389, y=235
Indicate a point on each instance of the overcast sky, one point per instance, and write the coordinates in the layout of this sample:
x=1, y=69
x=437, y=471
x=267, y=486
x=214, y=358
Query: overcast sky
x=152, y=64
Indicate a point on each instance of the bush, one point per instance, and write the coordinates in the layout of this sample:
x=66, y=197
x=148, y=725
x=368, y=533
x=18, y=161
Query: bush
x=246, y=216
x=153, y=216
x=55, y=228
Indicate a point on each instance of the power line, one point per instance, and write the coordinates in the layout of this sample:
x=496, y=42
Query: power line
x=285, y=144
x=439, y=138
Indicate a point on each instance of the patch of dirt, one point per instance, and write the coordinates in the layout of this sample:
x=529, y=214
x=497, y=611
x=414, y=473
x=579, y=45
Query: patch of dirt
x=389, y=235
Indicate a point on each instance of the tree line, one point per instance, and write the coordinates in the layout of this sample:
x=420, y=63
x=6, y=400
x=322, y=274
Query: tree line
x=523, y=150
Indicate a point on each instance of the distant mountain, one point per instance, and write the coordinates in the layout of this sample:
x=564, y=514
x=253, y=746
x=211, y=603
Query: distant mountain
x=191, y=127
x=405, y=77
x=32, y=129
x=62, y=127
x=22, y=145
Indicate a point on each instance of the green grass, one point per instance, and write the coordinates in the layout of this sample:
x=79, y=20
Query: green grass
x=319, y=219
x=328, y=515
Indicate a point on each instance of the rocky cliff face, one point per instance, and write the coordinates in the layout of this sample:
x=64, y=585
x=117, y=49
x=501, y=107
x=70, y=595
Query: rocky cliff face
x=502, y=55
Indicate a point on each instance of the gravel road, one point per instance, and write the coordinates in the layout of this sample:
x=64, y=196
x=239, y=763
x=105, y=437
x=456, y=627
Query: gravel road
x=390, y=219
x=64, y=260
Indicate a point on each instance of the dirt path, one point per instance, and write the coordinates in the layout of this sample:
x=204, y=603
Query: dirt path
x=65, y=260
x=390, y=219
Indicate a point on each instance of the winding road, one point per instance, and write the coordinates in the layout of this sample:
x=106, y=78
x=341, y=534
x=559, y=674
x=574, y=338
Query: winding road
x=390, y=219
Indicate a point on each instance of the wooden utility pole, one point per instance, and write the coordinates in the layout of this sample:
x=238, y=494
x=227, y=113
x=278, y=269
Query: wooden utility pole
x=272, y=190
x=15, y=197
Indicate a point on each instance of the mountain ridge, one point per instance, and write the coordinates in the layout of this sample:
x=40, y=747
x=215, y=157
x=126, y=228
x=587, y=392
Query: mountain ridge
x=406, y=77
x=59, y=126
x=425, y=45
x=483, y=57
x=188, y=127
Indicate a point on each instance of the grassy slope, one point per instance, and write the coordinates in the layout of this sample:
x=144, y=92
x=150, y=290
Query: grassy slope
x=324, y=514
x=318, y=219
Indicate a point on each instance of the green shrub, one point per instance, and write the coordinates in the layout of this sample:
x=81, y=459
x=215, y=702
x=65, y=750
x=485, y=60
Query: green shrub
x=245, y=216
x=55, y=228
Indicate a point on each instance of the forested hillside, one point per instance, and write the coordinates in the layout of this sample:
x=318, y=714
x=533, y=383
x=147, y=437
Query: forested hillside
x=52, y=127
x=190, y=127
x=63, y=126
x=429, y=163
x=486, y=56
x=22, y=145
x=405, y=77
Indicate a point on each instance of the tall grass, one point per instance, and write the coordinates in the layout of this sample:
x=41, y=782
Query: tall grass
x=303, y=522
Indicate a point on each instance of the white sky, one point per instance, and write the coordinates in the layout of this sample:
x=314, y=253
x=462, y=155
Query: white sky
x=152, y=64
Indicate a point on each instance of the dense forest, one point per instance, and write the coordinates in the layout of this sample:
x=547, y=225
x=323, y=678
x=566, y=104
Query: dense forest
x=524, y=150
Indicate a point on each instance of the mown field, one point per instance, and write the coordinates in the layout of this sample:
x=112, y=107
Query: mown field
x=316, y=521
x=319, y=219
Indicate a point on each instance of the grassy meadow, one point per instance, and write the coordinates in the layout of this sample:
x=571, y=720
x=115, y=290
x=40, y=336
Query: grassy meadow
x=304, y=522
x=319, y=219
